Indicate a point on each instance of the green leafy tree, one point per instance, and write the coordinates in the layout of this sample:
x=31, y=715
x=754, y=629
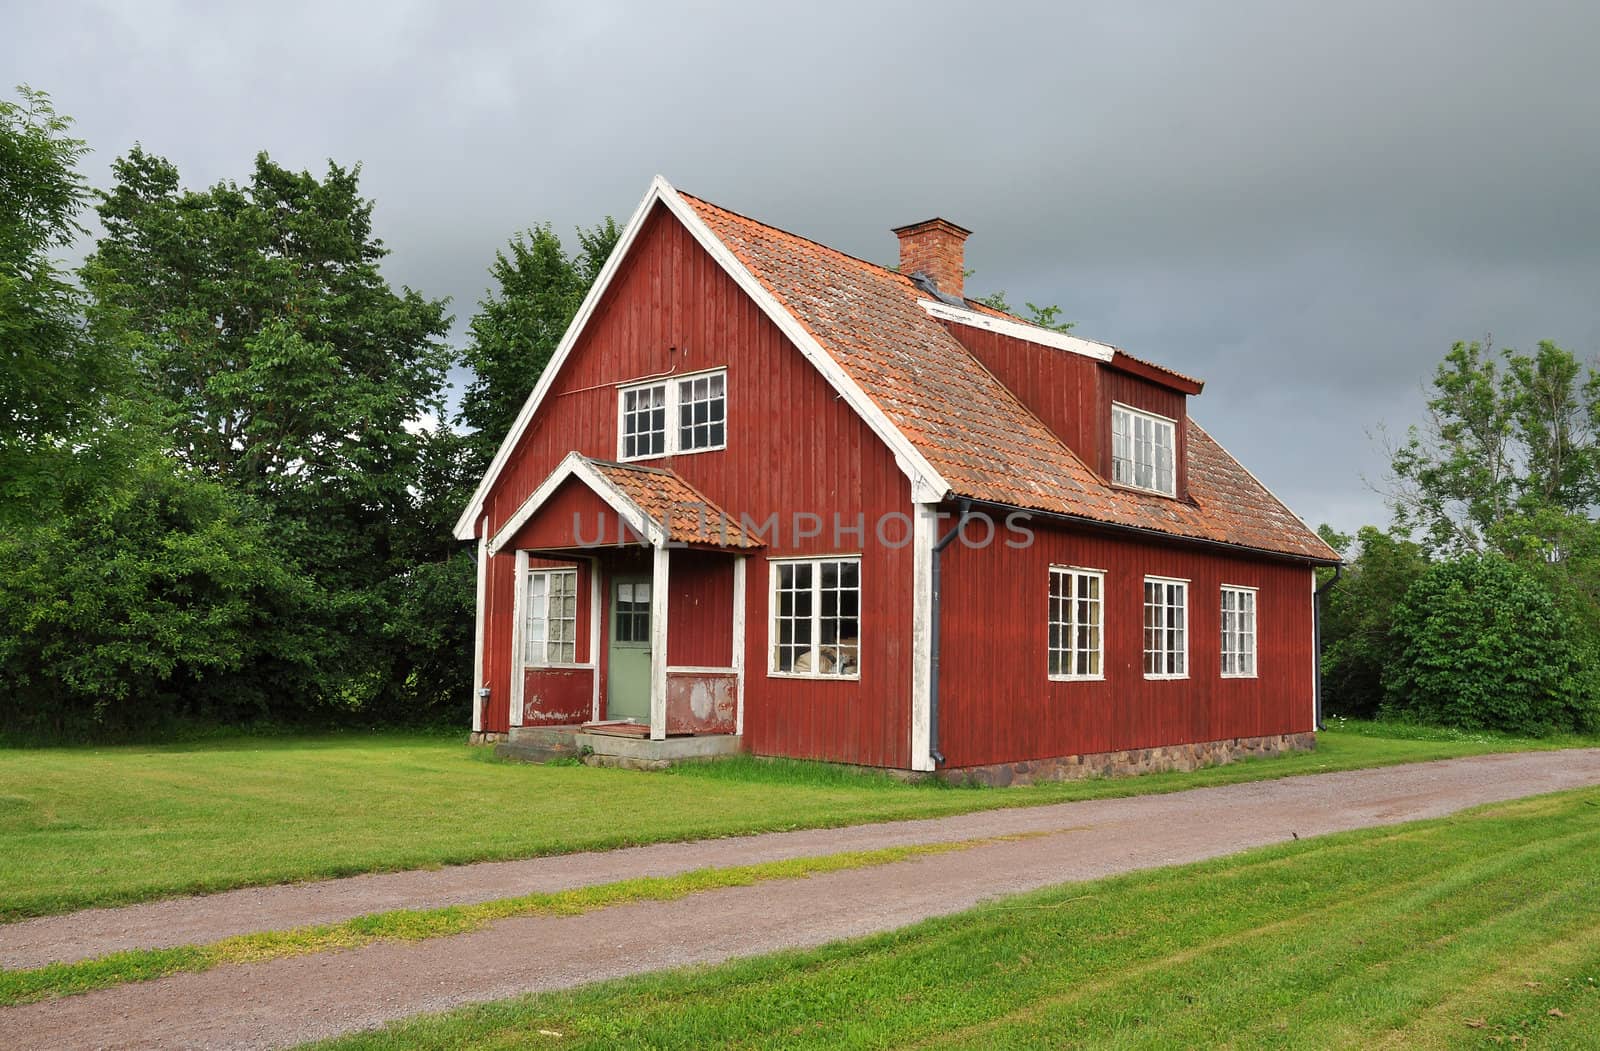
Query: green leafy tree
x=161, y=598
x=53, y=381
x=1358, y=617
x=1508, y=450
x=1479, y=643
x=1045, y=317
x=539, y=287
x=282, y=365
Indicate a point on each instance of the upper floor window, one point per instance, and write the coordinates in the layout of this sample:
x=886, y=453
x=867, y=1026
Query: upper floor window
x=1143, y=450
x=550, y=622
x=1166, y=628
x=1238, y=632
x=816, y=617
x=1076, y=649
x=674, y=416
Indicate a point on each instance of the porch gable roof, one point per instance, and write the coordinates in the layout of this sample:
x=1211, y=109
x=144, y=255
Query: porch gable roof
x=654, y=502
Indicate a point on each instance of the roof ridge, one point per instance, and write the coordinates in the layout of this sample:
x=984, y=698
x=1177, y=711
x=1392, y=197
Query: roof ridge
x=888, y=270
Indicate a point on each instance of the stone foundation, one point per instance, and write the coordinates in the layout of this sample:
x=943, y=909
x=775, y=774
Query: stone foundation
x=1133, y=761
x=485, y=737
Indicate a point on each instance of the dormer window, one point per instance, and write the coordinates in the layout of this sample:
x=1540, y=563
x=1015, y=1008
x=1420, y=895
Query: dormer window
x=1143, y=449
x=674, y=416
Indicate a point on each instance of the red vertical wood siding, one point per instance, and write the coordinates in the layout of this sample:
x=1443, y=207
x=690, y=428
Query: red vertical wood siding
x=793, y=446
x=997, y=703
x=700, y=609
x=1063, y=389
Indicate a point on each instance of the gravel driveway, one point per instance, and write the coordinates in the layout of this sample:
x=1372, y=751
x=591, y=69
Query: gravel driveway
x=285, y=1001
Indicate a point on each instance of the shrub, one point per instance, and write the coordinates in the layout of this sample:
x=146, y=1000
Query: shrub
x=1479, y=643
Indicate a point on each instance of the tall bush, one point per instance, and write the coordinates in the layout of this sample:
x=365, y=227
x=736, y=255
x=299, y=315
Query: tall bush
x=1479, y=643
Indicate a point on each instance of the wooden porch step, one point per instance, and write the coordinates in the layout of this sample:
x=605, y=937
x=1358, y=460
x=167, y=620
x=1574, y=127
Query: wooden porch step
x=617, y=728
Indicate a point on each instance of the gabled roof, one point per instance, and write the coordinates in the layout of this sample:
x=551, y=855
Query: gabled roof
x=970, y=426
x=654, y=502
x=955, y=429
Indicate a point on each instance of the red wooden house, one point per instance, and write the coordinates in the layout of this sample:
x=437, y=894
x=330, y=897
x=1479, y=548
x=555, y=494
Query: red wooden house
x=805, y=505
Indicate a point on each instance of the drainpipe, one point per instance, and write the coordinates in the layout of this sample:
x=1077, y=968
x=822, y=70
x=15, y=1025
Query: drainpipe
x=933, y=639
x=1316, y=632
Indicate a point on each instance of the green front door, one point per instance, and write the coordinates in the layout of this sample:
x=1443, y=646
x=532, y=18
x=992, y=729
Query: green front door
x=628, y=680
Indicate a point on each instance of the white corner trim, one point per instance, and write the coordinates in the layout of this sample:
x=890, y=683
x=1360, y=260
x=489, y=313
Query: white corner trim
x=576, y=466
x=923, y=476
x=1017, y=330
x=924, y=523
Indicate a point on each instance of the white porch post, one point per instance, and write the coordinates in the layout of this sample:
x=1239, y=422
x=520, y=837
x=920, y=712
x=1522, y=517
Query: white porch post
x=596, y=630
x=518, y=611
x=739, y=565
x=658, y=643
x=477, y=632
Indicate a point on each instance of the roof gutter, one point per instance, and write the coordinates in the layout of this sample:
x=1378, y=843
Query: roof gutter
x=933, y=637
x=1156, y=534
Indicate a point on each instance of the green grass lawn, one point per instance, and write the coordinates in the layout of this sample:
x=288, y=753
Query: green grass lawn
x=1478, y=930
x=98, y=826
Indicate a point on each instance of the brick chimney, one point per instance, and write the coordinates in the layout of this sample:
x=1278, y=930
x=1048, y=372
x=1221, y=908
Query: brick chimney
x=935, y=247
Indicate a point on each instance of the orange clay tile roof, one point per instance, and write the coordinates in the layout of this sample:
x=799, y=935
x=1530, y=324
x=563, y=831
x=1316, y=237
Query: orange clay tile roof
x=969, y=426
x=686, y=514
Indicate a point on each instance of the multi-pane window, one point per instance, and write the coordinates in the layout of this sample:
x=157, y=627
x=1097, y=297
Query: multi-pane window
x=550, y=623
x=1076, y=605
x=697, y=407
x=1166, y=628
x=816, y=617
x=632, y=610
x=644, y=421
x=1143, y=450
x=1238, y=632
x=702, y=412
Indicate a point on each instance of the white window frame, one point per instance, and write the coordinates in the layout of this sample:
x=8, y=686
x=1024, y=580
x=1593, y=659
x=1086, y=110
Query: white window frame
x=671, y=442
x=1165, y=627
x=1238, y=633
x=1157, y=422
x=1070, y=626
x=549, y=575
x=773, y=567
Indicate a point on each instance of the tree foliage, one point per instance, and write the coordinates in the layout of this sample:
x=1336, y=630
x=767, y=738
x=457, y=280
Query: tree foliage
x=1481, y=644
x=1045, y=317
x=1508, y=454
x=540, y=286
x=1358, y=617
x=52, y=380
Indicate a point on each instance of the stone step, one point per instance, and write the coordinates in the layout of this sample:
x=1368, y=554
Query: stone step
x=535, y=751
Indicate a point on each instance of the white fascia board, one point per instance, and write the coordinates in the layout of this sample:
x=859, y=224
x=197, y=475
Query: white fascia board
x=575, y=466
x=1017, y=330
x=925, y=480
x=630, y=232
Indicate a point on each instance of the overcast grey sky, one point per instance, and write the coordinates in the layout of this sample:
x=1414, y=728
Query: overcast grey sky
x=1303, y=204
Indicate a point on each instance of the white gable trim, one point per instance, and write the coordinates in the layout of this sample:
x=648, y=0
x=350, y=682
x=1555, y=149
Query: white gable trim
x=576, y=466
x=1017, y=330
x=926, y=482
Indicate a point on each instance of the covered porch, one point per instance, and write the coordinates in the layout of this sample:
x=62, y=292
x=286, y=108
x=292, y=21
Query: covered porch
x=628, y=618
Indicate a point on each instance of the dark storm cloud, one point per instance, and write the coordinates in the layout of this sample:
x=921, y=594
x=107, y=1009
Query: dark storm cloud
x=1302, y=204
